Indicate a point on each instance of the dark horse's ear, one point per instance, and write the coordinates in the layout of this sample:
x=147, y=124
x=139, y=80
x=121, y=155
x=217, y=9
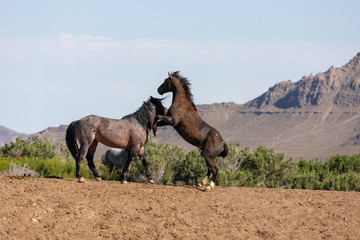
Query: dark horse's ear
x=169, y=75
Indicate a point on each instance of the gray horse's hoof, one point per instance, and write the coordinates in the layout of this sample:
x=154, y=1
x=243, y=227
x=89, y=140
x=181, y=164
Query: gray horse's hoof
x=81, y=180
x=151, y=181
x=98, y=179
x=124, y=182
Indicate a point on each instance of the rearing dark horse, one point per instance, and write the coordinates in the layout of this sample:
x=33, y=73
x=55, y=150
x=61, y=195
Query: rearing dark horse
x=183, y=116
x=131, y=132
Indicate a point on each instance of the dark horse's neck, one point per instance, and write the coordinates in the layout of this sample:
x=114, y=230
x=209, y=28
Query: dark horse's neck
x=178, y=91
x=179, y=94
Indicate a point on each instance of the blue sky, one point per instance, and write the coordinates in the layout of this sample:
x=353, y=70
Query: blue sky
x=63, y=60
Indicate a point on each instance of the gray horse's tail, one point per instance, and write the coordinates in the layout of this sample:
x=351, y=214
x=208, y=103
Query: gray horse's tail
x=71, y=140
x=225, y=152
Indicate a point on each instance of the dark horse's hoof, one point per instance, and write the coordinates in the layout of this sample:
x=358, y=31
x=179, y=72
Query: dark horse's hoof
x=151, y=181
x=81, y=180
x=124, y=182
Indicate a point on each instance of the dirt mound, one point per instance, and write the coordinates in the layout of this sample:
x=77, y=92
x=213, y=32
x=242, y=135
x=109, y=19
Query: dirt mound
x=40, y=208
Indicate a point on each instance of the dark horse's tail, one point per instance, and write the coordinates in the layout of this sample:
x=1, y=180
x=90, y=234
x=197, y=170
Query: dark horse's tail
x=225, y=152
x=71, y=140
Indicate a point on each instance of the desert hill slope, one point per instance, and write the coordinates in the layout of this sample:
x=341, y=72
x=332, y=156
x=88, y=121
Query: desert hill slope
x=7, y=135
x=315, y=117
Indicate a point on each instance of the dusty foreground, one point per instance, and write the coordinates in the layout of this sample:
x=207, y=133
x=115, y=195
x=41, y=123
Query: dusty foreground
x=40, y=208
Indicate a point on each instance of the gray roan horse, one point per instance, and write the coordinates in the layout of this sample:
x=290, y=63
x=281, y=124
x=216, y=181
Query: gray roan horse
x=183, y=116
x=131, y=132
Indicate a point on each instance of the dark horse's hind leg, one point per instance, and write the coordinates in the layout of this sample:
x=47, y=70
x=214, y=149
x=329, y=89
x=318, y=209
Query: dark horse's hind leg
x=205, y=179
x=90, y=159
x=212, y=170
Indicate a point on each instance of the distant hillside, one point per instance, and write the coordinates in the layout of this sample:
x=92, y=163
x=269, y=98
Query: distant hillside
x=316, y=117
x=7, y=135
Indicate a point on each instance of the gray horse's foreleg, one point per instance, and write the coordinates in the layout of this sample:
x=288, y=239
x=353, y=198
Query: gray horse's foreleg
x=146, y=168
x=131, y=155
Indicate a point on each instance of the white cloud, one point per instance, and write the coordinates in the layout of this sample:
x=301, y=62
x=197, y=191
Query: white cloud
x=85, y=46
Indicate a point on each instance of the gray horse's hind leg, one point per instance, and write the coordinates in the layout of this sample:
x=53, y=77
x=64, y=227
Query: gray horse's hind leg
x=78, y=159
x=90, y=159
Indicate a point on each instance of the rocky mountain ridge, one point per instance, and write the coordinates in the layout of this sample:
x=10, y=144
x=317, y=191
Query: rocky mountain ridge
x=337, y=86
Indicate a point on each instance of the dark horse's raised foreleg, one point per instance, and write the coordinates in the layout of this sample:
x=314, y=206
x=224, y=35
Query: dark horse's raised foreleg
x=165, y=120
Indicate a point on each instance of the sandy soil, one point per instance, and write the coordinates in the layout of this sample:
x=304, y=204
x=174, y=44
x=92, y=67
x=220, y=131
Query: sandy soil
x=40, y=208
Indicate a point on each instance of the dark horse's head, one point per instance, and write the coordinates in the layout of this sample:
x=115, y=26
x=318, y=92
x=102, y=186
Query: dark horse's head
x=175, y=81
x=167, y=86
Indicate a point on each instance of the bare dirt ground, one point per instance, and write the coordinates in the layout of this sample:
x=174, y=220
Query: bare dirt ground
x=43, y=208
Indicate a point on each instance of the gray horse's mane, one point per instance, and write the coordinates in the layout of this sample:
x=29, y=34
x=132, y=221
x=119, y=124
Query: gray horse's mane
x=143, y=114
x=185, y=83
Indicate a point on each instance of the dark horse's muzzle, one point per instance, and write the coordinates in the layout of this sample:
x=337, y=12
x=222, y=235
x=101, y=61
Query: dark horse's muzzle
x=160, y=90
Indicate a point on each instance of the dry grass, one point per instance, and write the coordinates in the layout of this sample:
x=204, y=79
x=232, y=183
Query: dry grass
x=19, y=170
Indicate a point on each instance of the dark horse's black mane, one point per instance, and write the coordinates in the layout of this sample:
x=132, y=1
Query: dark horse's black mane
x=143, y=114
x=186, y=85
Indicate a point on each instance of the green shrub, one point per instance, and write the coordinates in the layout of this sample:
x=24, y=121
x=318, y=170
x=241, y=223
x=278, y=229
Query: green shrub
x=268, y=168
x=38, y=148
